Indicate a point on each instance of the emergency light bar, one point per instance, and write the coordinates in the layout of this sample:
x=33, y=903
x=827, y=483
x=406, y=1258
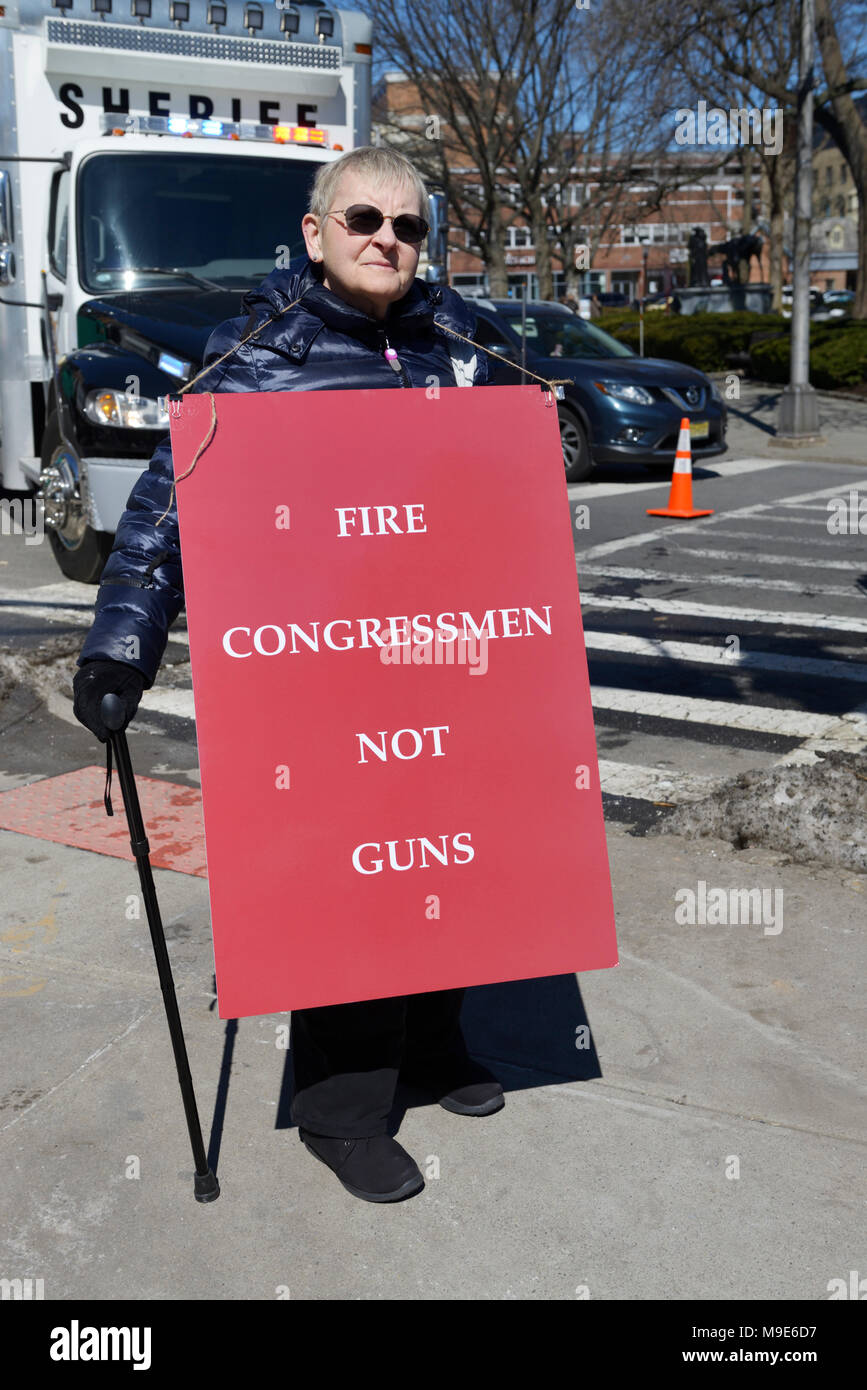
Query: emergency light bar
x=226, y=130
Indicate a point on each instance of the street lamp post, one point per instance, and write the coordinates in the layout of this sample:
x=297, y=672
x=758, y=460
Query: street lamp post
x=799, y=414
x=643, y=295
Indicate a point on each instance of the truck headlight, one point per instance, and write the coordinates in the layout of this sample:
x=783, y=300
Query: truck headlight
x=123, y=411
x=623, y=391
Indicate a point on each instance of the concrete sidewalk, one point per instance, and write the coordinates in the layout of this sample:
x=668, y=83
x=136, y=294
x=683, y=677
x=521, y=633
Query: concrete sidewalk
x=715, y=1049
x=753, y=420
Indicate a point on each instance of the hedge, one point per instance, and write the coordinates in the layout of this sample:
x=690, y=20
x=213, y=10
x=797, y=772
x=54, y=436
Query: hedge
x=838, y=356
x=758, y=343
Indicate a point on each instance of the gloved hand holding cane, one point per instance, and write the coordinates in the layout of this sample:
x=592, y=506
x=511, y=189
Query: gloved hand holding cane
x=96, y=678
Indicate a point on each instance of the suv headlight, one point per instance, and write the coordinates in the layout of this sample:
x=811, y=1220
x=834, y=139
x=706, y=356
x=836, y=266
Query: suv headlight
x=715, y=393
x=622, y=391
x=127, y=412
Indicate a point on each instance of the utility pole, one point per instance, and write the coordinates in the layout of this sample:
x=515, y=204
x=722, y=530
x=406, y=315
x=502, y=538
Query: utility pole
x=799, y=413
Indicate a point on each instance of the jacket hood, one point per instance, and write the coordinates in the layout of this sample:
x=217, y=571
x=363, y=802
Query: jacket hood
x=302, y=279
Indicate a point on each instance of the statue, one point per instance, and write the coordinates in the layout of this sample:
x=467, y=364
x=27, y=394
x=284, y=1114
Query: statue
x=697, y=248
x=738, y=252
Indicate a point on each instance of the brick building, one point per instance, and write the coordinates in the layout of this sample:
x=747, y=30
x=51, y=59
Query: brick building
x=700, y=195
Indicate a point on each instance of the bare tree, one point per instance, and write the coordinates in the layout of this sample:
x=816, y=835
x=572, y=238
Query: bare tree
x=837, y=113
x=755, y=43
x=463, y=68
x=515, y=104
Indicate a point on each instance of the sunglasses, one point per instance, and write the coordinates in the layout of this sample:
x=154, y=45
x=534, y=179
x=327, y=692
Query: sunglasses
x=366, y=220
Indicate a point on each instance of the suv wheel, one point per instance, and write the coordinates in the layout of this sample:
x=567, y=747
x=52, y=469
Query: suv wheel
x=576, y=450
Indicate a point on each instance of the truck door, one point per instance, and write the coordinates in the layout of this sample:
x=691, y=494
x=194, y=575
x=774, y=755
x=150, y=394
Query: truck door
x=66, y=336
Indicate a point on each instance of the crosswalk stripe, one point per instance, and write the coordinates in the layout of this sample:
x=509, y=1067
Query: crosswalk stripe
x=654, y=783
x=757, y=510
x=776, y=519
x=726, y=468
x=790, y=586
x=739, y=556
x=175, y=702
x=734, y=617
x=837, y=542
x=684, y=708
x=690, y=709
x=722, y=656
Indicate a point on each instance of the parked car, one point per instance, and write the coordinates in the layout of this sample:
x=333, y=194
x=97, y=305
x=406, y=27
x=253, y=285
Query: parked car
x=654, y=301
x=612, y=300
x=817, y=302
x=618, y=406
x=838, y=303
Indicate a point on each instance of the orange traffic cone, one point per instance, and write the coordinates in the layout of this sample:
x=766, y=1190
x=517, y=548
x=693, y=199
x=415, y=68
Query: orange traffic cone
x=680, y=497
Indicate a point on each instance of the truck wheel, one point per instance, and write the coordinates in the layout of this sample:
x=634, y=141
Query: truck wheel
x=576, y=451
x=80, y=551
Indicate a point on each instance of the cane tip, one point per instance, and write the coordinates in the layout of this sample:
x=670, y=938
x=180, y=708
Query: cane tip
x=206, y=1187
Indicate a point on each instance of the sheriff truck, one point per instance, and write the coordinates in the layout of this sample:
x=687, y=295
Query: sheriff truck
x=155, y=161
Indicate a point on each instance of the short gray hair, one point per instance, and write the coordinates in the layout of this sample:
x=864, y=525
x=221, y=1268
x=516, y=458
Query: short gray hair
x=380, y=164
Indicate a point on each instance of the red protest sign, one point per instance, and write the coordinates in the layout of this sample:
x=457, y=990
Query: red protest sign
x=399, y=779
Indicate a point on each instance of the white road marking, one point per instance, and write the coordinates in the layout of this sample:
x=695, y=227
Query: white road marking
x=837, y=542
x=734, y=616
x=806, y=506
x=654, y=783
x=739, y=556
x=70, y=617
x=723, y=713
x=65, y=591
x=727, y=468
x=721, y=656
x=767, y=518
x=723, y=581
x=755, y=509
x=177, y=702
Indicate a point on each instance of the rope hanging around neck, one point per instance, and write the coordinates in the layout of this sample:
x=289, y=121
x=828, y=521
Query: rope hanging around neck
x=212, y=429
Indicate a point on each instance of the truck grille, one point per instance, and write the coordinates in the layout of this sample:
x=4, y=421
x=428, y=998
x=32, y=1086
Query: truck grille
x=82, y=33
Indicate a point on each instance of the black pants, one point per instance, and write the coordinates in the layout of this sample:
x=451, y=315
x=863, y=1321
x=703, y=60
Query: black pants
x=346, y=1057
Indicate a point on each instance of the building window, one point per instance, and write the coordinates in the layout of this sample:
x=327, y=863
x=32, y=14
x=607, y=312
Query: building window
x=654, y=233
x=469, y=282
x=518, y=238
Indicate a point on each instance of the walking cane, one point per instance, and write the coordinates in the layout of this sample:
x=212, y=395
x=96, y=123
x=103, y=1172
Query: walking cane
x=206, y=1186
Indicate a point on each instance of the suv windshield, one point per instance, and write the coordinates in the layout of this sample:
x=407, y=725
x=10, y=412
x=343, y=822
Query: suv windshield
x=565, y=335
x=224, y=218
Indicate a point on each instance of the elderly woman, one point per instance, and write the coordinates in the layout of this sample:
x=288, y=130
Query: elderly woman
x=349, y=314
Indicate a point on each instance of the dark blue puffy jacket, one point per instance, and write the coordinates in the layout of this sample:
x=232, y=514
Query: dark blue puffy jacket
x=322, y=344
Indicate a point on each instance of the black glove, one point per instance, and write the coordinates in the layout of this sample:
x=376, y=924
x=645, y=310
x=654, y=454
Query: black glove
x=97, y=678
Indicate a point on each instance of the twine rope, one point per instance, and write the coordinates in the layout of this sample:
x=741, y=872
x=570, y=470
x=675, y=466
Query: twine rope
x=212, y=428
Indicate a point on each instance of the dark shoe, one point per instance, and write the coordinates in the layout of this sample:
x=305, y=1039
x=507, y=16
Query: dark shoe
x=464, y=1086
x=377, y=1169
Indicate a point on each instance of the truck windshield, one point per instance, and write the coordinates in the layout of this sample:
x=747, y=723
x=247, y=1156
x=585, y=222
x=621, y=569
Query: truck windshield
x=225, y=218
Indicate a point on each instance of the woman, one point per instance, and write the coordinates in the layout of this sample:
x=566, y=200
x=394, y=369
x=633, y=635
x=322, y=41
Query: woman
x=349, y=314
